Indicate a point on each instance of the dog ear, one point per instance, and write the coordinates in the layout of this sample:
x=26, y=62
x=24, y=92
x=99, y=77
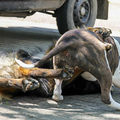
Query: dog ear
x=108, y=46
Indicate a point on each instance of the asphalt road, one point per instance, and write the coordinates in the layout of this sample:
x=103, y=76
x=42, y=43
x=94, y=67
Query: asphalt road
x=31, y=33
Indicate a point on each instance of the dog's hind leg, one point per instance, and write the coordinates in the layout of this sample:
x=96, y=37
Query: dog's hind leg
x=106, y=83
x=106, y=97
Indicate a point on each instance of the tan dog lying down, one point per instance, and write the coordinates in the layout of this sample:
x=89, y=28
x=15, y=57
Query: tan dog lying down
x=95, y=54
x=14, y=78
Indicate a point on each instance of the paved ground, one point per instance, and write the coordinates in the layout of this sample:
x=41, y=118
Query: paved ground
x=15, y=34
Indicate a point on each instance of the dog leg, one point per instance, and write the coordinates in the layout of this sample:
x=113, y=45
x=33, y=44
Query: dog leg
x=58, y=84
x=106, y=96
x=11, y=83
x=42, y=73
x=10, y=86
x=30, y=84
x=57, y=90
x=106, y=83
x=24, y=84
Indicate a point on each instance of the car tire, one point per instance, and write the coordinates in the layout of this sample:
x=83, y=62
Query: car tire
x=76, y=14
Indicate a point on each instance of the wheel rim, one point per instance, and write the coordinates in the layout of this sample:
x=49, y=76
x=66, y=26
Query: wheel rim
x=81, y=13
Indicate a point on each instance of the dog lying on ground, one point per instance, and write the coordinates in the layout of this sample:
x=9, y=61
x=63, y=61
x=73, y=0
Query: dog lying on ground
x=15, y=80
x=95, y=54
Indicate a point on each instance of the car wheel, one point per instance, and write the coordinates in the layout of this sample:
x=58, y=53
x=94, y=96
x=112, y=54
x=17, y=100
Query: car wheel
x=76, y=14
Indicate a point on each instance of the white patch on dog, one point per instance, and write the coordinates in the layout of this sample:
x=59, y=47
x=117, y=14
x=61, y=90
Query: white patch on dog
x=24, y=65
x=57, y=90
x=88, y=76
x=107, y=59
x=116, y=76
x=113, y=103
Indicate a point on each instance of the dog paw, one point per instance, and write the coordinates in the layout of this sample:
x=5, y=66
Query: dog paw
x=30, y=84
x=67, y=73
x=105, y=32
x=57, y=98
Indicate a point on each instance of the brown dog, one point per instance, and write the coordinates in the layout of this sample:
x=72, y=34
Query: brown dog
x=95, y=54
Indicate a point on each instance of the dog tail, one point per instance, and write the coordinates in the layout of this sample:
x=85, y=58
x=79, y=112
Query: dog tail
x=56, y=50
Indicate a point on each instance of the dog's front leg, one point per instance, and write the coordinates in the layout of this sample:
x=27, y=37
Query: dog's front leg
x=6, y=83
x=42, y=73
x=24, y=84
x=57, y=90
x=58, y=83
